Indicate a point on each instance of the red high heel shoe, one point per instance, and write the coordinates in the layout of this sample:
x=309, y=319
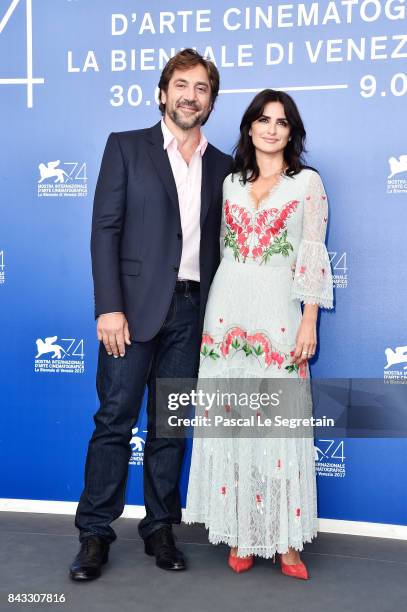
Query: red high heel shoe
x=240, y=564
x=298, y=570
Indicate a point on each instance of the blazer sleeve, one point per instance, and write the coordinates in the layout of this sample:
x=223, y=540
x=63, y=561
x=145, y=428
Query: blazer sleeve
x=107, y=220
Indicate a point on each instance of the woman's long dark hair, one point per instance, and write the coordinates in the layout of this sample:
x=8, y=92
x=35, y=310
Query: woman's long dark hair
x=244, y=152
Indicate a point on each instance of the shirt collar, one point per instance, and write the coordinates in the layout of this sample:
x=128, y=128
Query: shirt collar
x=171, y=141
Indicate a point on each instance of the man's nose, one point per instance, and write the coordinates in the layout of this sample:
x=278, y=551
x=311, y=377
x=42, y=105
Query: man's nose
x=190, y=93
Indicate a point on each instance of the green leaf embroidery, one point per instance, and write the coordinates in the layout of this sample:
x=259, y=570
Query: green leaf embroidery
x=230, y=241
x=279, y=246
x=247, y=349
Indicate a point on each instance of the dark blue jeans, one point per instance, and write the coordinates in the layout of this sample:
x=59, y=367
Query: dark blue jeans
x=120, y=382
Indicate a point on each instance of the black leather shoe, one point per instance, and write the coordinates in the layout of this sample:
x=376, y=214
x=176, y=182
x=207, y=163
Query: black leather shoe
x=87, y=565
x=161, y=545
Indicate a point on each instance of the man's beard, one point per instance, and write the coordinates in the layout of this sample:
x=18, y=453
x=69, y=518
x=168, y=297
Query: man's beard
x=186, y=123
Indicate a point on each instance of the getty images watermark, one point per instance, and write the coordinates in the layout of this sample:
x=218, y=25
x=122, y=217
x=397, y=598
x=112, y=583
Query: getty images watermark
x=225, y=401
x=280, y=408
x=215, y=407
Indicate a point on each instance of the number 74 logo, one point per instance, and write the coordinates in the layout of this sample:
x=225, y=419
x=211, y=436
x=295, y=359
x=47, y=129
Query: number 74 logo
x=29, y=80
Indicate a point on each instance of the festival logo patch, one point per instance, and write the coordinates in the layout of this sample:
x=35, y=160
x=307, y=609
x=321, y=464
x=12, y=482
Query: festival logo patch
x=397, y=178
x=340, y=269
x=2, y=269
x=330, y=458
x=137, y=443
x=65, y=355
x=62, y=179
x=395, y=370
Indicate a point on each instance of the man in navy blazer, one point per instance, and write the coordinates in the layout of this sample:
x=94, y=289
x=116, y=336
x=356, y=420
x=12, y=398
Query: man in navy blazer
x=155, y=250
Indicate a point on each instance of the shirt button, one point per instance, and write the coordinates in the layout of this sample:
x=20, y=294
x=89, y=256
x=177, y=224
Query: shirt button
x=176, y=268
x=179, y=236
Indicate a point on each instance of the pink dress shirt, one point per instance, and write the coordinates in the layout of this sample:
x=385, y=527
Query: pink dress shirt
x=188, y=180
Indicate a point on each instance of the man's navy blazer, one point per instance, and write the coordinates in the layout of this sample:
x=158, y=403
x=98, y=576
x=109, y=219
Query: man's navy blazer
x=136, y=240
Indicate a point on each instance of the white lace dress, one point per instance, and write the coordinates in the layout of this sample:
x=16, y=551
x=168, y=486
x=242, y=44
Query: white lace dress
x=259, y=494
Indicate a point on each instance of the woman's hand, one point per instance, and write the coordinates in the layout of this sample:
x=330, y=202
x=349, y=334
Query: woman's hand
x=306, y=339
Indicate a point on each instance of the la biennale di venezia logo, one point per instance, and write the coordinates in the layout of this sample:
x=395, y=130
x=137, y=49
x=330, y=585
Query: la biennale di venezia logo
x=395, y=370
x=397, y=178
x=63, y=356
x=137, y=444
x=62, y=179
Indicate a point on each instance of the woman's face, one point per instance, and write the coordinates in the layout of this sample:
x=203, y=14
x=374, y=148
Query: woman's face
x=271, y=131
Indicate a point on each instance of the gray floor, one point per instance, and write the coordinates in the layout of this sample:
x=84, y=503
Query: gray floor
x=347, y=573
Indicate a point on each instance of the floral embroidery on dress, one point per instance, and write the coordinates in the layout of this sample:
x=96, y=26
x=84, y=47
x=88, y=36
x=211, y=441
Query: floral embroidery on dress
x=206, y=347
x=257, y=345
x=259, y=235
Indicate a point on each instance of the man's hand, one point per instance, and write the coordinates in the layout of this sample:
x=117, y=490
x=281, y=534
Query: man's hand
x=113, y=331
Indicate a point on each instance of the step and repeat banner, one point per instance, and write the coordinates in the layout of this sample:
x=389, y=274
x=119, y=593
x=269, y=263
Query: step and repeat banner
x=71, y=72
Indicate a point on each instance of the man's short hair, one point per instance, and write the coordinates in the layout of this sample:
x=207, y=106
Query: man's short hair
x=189, y=58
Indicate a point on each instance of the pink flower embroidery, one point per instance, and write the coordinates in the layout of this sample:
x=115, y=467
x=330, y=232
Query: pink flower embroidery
x=241, y=239
x=256, y=345
x=266, y=224
x=207, y=339
x=208, y=347
x=302, y=269
x=265, y=240
x=303, y=369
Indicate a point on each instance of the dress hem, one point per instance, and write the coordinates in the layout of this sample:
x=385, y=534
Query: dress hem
x=265, y=552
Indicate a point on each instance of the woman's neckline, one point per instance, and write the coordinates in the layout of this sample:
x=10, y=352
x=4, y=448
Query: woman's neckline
x=257, y=204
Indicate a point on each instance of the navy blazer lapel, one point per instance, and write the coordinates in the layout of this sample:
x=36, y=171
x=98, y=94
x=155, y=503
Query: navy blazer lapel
x=162, y=163
x=206, y=184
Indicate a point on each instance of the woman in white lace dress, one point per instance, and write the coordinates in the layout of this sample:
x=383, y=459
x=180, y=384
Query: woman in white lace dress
x=258, y=495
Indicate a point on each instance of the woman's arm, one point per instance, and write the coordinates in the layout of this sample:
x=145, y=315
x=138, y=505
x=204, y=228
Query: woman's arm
x=313, y=278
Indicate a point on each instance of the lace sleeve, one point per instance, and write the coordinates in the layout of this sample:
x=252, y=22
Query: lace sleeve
x=313, y=277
